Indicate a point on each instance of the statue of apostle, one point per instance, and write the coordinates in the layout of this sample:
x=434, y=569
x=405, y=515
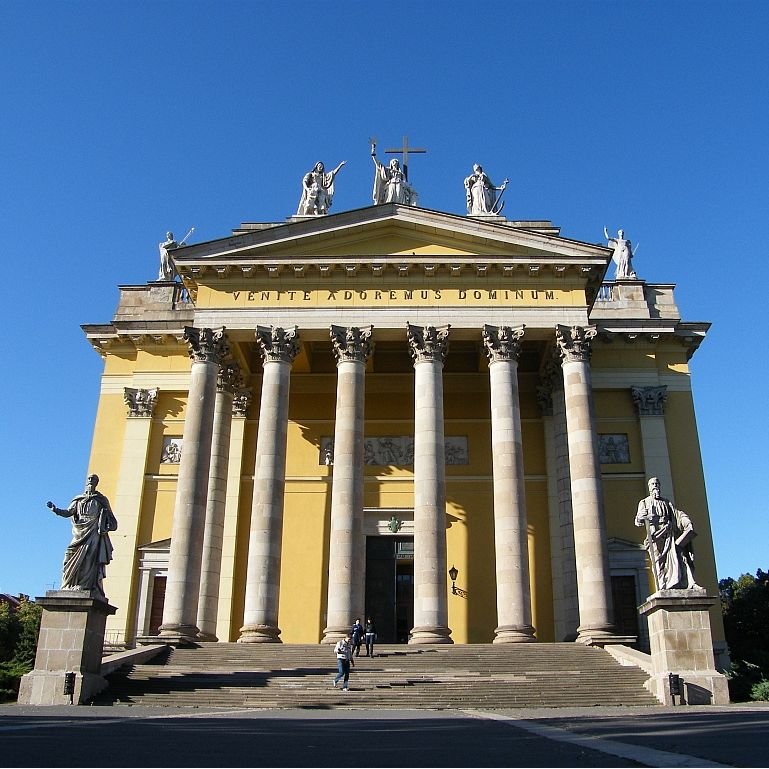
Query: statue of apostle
x=669, y=534
x=390, y=183
x=481, y=193
x=90, y=550
x=166, y=264
x=317, y=190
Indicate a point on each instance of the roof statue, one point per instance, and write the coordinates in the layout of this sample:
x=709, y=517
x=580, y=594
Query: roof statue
x=622, y=256
x=481, y=193
x=317, y=190
x=390, y=183
x=167, y=270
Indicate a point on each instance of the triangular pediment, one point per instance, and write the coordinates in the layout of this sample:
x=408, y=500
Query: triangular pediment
x=389, y=230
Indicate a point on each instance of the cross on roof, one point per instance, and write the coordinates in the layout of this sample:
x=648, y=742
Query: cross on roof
x=404, y=150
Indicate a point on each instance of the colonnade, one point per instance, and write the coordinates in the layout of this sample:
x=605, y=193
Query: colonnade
x=192, y=590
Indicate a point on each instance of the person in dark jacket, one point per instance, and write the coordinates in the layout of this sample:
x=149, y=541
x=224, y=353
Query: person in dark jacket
x=356, y=634
x=370, y=635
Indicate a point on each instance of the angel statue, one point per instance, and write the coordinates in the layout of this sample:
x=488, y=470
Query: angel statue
x=622, y=256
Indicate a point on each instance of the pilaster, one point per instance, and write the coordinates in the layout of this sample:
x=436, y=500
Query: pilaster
x=650, y=404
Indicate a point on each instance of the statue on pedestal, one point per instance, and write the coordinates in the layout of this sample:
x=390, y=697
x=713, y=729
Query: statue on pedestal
x=481, y=193
x=317, y=190
x=390, y=183
x=90, y=550
x=166, y=265
x=622, y=256
x=669, y=534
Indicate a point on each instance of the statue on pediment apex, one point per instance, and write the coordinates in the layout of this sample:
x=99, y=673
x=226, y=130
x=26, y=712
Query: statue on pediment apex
x=317, y=190
x=390, y=183
x=481, y=193
x=622, y=256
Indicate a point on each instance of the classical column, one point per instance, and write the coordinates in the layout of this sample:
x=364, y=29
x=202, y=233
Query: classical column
x=590, y=548
x=228, y=381
x=511, y=541
x=260, y=618
x=352, y=346
x=128, y=499
x=227, y=588
x=208, y=348
x=563, y=568
x=429, y=346
x=650, y=403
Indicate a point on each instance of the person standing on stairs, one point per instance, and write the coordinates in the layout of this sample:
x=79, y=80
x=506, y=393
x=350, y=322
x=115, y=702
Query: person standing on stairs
x=357, y=636
x=370, y=635
x=343, y=651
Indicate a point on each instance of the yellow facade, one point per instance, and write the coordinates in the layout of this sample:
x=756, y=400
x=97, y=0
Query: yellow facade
x=390, y=269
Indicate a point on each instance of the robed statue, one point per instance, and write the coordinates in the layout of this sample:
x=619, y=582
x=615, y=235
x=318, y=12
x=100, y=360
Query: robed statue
x=90, y=550
x=317, y=190
x=390, y=183
x=481, y=193
x=622, y=255
x=669, y=535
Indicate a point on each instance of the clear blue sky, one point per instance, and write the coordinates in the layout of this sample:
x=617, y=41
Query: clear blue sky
x=121, y=120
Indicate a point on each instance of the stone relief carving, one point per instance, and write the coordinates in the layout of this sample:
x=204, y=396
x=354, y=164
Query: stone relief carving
x=396, y=450
x=241, y=402
x=317, y=190
x=141, y=403
x=172, y=451
x=613, y=449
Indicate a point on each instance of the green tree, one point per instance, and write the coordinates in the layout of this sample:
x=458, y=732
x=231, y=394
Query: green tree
x=29, y=614
x=9, y=632
x=18, y=644
x=745, y=604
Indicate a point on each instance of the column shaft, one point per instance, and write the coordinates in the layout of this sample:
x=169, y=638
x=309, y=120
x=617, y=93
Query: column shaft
x=510, y=526
x=430, y=585
x=346, y=546
x=229, y=378
x=188, y=526
x=590, y=545
x=260, y=617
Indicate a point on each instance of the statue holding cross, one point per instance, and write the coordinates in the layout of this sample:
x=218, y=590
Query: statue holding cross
x=391, y=181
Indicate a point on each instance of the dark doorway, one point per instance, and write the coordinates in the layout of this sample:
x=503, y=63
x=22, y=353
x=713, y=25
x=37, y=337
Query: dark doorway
x=156, y=608
x=390, y=587
x=623, y=594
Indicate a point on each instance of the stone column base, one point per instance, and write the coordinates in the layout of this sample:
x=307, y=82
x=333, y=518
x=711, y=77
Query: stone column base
x=430, y=635
x=71, y=640
x=207, y=637
x=682, y=643
x=259, y=634
x=514, y=634
x=333, y=634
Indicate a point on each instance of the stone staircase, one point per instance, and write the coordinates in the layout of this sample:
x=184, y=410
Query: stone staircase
x=436, y=677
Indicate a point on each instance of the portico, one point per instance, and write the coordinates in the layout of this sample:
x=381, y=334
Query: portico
x=399, y=360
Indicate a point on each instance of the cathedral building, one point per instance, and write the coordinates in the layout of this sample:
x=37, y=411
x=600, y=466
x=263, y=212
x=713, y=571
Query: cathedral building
x=442, y=422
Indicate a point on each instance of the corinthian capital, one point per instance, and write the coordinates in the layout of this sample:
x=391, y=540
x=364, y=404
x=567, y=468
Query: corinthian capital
x=141, y=403
x=241, y=402
x=207, y=345
x=278, y=345
x=351, y=344
x=428, y=343
x=229, y=378
x=650, y=401
x=502, y=342
x=574, y=342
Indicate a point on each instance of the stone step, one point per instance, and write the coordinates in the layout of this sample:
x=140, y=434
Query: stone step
x=436, y=677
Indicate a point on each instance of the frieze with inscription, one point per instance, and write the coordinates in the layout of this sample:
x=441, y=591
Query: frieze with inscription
x=396, y=450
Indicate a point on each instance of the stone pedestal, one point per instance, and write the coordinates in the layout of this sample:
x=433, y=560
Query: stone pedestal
x=71, y=640
x=681, y=643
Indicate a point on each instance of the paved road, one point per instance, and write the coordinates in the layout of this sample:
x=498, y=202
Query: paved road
x=195, y=737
